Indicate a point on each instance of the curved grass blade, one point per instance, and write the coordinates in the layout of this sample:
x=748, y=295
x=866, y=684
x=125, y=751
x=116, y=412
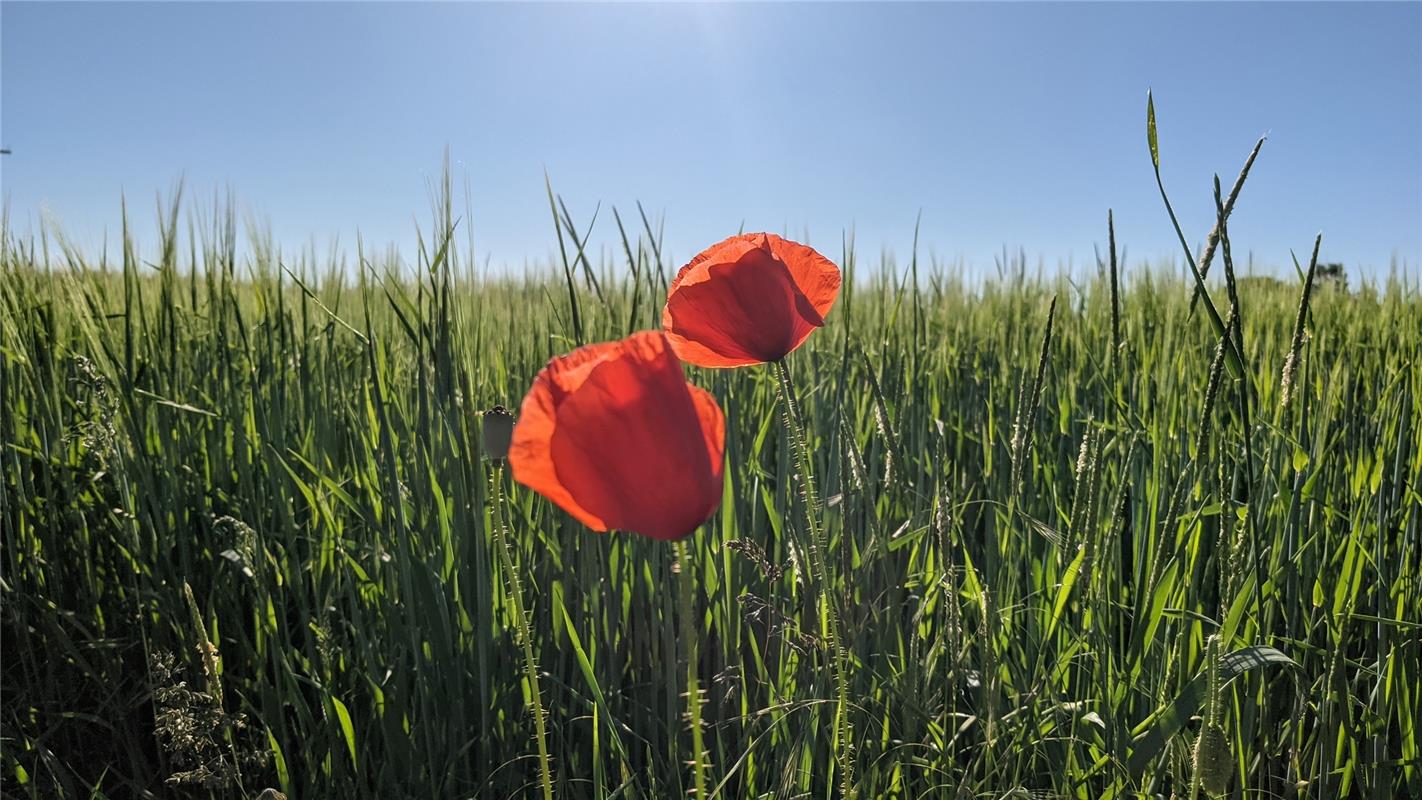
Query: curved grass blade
x=1153, y=734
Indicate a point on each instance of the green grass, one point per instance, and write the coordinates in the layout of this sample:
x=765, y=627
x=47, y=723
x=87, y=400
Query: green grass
x=1032, y=536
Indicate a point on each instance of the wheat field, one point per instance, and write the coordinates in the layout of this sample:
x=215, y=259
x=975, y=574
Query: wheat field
x=248, y=537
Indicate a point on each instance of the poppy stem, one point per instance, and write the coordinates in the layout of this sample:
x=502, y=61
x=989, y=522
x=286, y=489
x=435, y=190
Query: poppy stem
x=818, y=550
x=515, y=597
x=690, y=631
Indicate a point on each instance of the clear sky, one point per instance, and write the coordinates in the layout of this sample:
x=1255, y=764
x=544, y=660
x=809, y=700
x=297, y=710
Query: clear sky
x=1005, y=124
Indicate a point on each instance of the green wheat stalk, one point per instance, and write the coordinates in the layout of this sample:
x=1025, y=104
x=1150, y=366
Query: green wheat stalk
x=818, y=548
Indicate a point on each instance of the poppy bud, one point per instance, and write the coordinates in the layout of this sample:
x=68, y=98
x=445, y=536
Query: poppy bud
x=498, y=431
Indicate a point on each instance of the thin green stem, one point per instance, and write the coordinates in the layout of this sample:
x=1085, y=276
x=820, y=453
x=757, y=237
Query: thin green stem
x=817, y=548
x=693, y=689
x=515, y=596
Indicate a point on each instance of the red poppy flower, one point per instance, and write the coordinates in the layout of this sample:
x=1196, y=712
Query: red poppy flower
x=748, y=300
x=614, y=435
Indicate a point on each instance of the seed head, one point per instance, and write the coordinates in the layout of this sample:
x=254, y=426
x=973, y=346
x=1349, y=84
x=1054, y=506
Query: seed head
x=1286, y=381
x=1213, y=760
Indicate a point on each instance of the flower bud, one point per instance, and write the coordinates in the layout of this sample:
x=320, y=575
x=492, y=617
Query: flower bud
x=498, y=432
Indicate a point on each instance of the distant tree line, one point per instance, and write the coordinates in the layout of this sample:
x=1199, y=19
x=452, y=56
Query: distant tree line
x=1332, y=274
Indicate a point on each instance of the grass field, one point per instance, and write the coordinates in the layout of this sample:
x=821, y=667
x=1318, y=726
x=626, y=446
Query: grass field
x=247, y=535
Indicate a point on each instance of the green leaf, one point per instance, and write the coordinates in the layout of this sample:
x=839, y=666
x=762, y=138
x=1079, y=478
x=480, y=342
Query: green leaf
x=279, y=761
x=1150, y=130
x=1073, y=571
x=343, y=715
x=1154, y=610
x=1153, y=734
x=1242, y=601
x=585, y=666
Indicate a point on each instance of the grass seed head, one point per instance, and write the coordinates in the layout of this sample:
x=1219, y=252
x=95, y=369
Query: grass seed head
x=1213, y=760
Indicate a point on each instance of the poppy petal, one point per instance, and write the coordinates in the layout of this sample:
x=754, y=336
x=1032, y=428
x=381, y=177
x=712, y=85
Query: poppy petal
x=630, y=445
x=722, y=311
x=614, y=435
x=530, y=458
x=713, y=428
x=736, y=312
x=730, y=249
x=816, y=276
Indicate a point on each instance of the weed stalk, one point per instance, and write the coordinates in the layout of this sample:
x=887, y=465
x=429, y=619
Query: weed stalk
x=525, y=636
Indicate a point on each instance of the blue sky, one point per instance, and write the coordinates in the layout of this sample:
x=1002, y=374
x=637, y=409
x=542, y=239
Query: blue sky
x=1005, y=124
